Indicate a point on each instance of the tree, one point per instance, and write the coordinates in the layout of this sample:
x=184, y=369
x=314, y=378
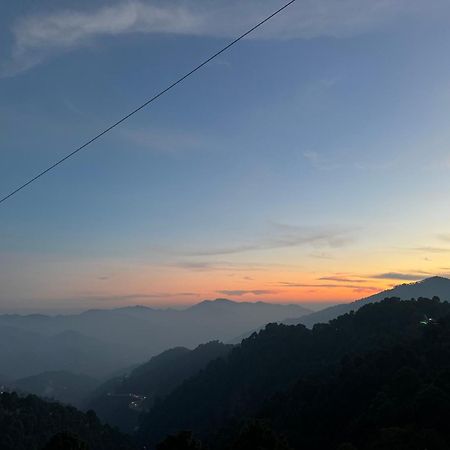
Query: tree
x=65, y=441
x=180, y=441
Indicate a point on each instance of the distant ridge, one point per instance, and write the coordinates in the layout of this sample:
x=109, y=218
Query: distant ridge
x=429, y=287
x=99, y=342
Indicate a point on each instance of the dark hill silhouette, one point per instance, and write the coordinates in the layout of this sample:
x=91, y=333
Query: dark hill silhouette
x=119, y=401
x=429, y=287
x=31, y=423
x=62, y=386
x=273, y=361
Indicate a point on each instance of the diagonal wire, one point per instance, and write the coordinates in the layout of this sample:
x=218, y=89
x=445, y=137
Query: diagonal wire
x=151, y=100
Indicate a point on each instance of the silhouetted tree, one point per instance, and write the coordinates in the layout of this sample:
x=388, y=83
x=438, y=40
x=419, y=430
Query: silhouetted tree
x=180, y=441
x=257, y=435
x=65, y=441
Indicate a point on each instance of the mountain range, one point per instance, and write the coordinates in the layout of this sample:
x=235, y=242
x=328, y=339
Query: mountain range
x=100, y=342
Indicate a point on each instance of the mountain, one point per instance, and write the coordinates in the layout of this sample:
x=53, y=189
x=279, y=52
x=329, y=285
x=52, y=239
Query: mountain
x=25, y=352
x=267, y=367
x=34, y=424
x=62, y=386
x=99, y=342
x=119, y=401
x=428, y=288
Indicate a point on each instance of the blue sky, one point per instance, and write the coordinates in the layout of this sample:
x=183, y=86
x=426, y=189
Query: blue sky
x=318, y=148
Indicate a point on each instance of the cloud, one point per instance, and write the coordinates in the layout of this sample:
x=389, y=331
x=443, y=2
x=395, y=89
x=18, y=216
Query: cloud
x=282, y=236
x=444, y=237
x=39, y=36
x=321, y=162
x=356, y=288
x=431, y=249
x=341, y=279
x=321, y=255
x=166, y=141
x=239, y=292
x=400, y=276
x=133, y=297
x=326, y=163
x=223, y=266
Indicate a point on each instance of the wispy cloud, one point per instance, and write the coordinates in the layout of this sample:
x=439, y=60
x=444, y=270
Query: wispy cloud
x=357, y=288
x=400, y=276
x=321, y=255
x=38, y=36
x=135, y=297
x=282, y=236
x=165, y=141
x=323, y=162
x=431, y=249
x=224, y=266
x=341, y=279
x=239, y=292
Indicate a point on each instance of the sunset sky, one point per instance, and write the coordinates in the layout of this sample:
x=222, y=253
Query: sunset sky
x=310, y=163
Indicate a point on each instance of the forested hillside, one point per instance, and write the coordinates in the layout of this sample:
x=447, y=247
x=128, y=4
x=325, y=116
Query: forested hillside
x=427, y=288
x=29, y=423
x=119, y=402
x=364, y=380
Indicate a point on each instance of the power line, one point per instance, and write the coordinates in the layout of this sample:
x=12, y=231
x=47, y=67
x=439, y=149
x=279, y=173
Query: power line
x=151, y=100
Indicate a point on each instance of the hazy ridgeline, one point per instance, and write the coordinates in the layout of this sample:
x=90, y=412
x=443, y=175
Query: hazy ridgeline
x=100, y=342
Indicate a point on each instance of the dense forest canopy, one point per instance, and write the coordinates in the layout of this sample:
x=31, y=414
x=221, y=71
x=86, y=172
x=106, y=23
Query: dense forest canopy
x=30, y=423
x=364, y=380
x=120, y=401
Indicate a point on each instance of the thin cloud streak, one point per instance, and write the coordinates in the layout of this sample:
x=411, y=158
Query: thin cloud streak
x=324, y=163
x=240, y=292
x=431, y=249
x=341, y=279
x=224, y=266
x=358, y=288
x=36, y=37
x=283, y=236
x=400, y=276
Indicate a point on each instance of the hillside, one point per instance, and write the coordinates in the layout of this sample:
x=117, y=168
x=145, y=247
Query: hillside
x=275, y=360
x=64, y=387
x=84, y=343
x=29, y=423
x=119, y=401
x=428, y=288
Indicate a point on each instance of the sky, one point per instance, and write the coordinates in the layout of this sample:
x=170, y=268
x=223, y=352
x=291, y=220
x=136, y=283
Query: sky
x=310, y=163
